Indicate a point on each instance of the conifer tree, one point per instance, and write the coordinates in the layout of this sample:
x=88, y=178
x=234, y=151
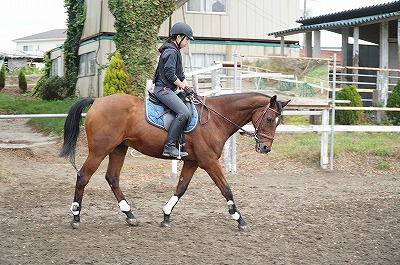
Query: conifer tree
x=2, y=77
x=117, y=79
x=22, y=81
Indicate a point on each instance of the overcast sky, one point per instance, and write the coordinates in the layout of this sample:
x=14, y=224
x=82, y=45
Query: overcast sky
x=21, y=18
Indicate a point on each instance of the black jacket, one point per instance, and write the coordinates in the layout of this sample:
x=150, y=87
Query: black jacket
x=169, y=66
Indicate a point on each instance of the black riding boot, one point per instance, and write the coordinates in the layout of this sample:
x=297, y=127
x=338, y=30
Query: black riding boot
x=174, y=132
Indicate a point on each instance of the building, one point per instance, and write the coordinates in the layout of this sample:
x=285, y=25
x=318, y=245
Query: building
x=38, y=44
x=221, y=28
x=30, y=49
x=377, y=24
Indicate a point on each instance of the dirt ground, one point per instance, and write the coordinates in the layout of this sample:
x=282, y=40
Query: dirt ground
x=297, y=213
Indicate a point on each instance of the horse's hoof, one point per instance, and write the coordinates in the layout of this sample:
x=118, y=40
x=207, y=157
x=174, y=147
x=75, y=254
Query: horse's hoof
x=75, y=225
x=164, y=224
x=243, y=227
x=132, y=222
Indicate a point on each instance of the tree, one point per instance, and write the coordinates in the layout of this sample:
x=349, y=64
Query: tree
x=349, y=117
x=117, y=79
x=2, y=77
x=22, y=81
x=137, y=23
x=394, y=102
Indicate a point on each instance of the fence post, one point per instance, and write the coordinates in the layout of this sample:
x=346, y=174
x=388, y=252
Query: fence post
x=324, y=140
x=230, y=144
x=333, y=112
x=215, y=83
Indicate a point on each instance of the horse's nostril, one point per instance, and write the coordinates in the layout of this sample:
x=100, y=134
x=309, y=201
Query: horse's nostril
x=266, y=149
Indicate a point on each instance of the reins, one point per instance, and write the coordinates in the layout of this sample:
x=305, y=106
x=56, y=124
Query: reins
x=196, y=100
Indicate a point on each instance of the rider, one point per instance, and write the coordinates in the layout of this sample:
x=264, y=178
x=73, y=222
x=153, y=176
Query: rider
x=168, y=78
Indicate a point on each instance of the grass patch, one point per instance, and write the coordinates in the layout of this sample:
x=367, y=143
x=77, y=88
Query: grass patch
x=25, y=104
x=320, y=72
x=379, y=144
x=306, y=146
x=383, y=165
x=295, y=120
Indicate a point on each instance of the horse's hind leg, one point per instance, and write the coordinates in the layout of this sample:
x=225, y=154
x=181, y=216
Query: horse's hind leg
x=82, y=179
x=116, y=161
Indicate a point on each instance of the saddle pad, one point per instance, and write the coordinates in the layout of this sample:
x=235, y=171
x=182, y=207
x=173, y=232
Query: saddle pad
x=155, y=115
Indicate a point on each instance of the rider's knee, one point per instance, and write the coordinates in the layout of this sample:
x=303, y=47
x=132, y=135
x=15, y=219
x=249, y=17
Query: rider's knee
x=184, y=116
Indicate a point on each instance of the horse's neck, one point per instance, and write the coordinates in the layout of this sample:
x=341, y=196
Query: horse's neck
x=238, y=109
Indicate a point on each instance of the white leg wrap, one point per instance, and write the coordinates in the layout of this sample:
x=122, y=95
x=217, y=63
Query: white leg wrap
x=124, y=206
x=235, y=216
x=170, y=204
x=75, y=208
x=230, y=202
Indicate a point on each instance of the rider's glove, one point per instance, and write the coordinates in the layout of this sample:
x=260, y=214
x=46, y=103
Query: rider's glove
x=188, y=91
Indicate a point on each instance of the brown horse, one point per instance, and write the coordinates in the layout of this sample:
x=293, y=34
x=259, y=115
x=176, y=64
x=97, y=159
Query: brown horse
x=117, y=122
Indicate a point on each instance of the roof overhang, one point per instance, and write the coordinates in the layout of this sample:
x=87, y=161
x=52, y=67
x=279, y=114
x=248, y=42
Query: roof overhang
x=335, y=25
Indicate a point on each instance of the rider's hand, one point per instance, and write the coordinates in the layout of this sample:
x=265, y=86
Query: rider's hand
x=188, y=91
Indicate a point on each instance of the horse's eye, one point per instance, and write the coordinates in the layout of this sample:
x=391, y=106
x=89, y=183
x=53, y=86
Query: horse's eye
x=269, y=119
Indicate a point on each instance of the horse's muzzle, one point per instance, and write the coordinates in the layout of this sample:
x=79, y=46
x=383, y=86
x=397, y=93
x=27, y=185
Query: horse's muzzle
x=262, y=148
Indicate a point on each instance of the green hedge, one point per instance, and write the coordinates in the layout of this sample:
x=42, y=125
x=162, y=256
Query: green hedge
x=349, y=117
x=394, y=102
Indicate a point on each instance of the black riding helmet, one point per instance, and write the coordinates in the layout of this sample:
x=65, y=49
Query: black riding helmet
x=181, y=28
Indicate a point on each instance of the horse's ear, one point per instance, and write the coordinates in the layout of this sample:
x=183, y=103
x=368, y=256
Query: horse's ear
x=285, y=103
x=272, y=101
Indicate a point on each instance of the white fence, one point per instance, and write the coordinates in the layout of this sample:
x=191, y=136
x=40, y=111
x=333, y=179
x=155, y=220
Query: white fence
x=230, y=151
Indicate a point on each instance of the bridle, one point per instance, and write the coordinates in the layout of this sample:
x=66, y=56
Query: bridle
x=259, y=122
x=196, y=99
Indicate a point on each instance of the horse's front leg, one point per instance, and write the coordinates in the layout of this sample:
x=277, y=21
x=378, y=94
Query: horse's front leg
x=215, y=171
x=116, y=161
x=188, y=169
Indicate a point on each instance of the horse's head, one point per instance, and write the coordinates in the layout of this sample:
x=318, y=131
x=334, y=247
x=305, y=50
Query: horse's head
x=265, y=122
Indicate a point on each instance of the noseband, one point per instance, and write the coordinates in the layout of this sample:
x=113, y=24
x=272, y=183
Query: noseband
x=257, y=132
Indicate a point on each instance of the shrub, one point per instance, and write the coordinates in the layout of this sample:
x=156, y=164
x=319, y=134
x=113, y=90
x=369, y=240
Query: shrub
x=2, y=77
x=117, y=79
x=51, y=88
x=349, y=117
x=394, y=102
x=22, y=81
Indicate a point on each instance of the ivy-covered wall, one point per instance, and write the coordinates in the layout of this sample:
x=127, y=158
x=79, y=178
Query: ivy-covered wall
x=76, y=19
x=137, y=23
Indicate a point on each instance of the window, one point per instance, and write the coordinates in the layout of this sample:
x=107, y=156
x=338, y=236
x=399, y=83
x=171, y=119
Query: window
x=207, y=6
x=87, y=64
x=54, y=66
x=27, y=48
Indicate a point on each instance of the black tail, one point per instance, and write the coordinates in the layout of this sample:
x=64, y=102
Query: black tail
x=71, y=129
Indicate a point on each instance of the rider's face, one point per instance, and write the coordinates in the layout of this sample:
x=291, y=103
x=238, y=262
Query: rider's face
x=184, y=42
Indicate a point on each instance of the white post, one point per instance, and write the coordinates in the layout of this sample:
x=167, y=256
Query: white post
x=174, y=167
x=333, y=111
x=233, y=137
x=149, y=85
x=195, y=83
x=324, y=140
x=230, y=145
x=227, y=157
